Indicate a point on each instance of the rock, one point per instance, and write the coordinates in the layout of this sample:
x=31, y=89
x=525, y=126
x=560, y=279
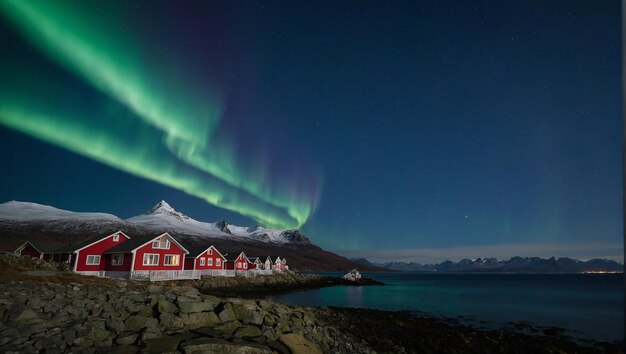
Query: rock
x=193, y=306
x=171, y=321
x=188, y=291
x=98, y=335
x=127, y=338
x=166, y=306
x=297, y=344
x=155, y=288
x=214, y=301
x=213, y=345
x=269, y=320
x=135, y=323
x=166, y=344
x=26, y=315
x=83, y=342
x=199, y=319
x=207, y=331
x=247, y=331
x=248, y=313
x=227, y=313
x=145, y=311
x=150, y=333
x=115, y=325
x=228, y=328
x=278, y=347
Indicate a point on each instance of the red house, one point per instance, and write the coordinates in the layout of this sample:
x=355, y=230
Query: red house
x=34, y=250
x=204, y=259
x=240, y=262
x=87, y=257
x=139, y=256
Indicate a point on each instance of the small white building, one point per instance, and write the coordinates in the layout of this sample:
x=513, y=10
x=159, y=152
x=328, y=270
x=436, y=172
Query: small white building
x=353, y=275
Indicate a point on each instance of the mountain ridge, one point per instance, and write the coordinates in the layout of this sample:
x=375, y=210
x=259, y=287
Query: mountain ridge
x=25, y=221
x=515, y=264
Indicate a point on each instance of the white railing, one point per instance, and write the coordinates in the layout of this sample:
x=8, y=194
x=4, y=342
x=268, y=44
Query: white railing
x=217, y=272
x=94, y=273
x=117, y=274
x=157, y=275
x=255, y=272
x=140, y=275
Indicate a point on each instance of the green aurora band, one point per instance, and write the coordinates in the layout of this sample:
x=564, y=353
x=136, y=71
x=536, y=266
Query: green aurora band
x=167, y=137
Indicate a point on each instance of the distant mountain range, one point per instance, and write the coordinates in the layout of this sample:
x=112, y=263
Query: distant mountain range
x=513, y=265
x=21, y=221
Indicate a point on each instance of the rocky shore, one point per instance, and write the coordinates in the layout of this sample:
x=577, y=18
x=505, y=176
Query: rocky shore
x=121, y=317
x=48, y=311
x=255, y=287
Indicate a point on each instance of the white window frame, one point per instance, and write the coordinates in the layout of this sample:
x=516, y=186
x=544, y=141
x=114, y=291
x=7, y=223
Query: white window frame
x=238, y=264
x=93, y=262
x=147, y=256
x=245, y=265
x=218, y=262
x=210, y=262
x=116, y=238
x=202, y=261
x=156, y=244
x=114, y=256
x=173, y=256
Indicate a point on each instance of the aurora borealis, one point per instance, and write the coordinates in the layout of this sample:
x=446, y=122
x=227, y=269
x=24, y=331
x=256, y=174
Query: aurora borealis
x=398, y=126
x=175, y=128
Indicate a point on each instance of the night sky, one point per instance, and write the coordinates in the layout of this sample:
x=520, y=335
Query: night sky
x=412, y=131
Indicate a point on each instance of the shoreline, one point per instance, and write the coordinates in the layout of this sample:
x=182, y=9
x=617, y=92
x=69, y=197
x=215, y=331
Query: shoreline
x=128, y=316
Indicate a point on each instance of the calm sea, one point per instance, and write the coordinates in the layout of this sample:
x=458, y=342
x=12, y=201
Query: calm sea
x=589, y=306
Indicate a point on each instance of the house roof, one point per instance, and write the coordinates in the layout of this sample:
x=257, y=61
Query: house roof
x=272, y=258
x=39, y=246
x=196, y=250
x=82, y=244
x=231, y=256
x=136, y=242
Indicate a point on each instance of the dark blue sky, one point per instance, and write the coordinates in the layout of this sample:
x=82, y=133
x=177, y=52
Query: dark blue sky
x=421, y=125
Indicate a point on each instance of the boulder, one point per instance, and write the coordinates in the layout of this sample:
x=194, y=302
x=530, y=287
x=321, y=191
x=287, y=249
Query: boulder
x=155, y=288
x=214, y=345
x=195, y=306
x=227, y=313
x=165, y=306
x=248, y=313
x=228, y=328
x=165, y=344
x=135, y=323
x=297, y=344
x=26, y=315
x=247, y=331
x=127, y=338
x=199, y=319
x=171, y=321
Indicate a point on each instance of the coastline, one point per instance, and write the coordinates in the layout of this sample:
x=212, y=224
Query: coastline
x=60, y=311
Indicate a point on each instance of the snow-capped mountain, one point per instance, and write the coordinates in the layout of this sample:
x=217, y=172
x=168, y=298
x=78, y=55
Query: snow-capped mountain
x=25, y=211
x=21, y=222
x=25, y=217
x=162, y=217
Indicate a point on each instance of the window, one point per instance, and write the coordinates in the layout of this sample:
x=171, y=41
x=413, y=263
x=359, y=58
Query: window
x=117, y=259
x=210, y=261
x=218, y=262
x=245, y=265
x=150, y=259
x=162, y=243
x=171, y=259
x=210, y=252
x=202, y=261
x=116, y=238
x=238, y=264
x=93, y=260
